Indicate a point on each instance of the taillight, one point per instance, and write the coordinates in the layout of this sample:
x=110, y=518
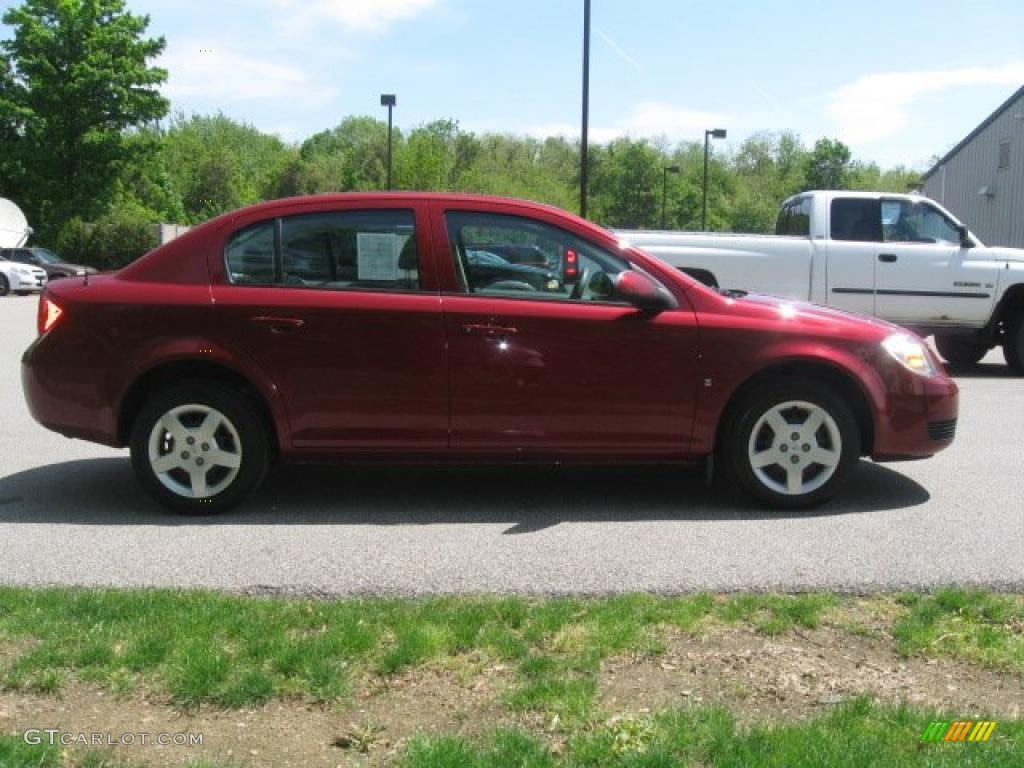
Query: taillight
x=572, y=265
x=49, y=315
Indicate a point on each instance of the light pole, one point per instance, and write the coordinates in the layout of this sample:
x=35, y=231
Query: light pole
x=586, y=109
x=714, y=133
x=388, y=100
x=664, y=190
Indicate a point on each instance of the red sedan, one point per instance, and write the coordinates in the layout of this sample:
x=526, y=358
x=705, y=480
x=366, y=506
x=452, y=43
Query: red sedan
x=351, y=327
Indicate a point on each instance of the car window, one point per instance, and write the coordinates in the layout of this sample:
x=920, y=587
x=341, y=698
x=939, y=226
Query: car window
x=344, y=250
x=856, y=219
x=250, y=255
x=911, y=221
x=504, y=255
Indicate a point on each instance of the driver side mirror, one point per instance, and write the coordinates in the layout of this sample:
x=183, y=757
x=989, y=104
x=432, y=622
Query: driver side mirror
x=643, y=292
x=965, y=237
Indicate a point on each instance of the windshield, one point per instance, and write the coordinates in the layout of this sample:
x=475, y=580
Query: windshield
x=45, y=256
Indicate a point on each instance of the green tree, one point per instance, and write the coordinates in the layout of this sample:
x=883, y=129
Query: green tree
x=828, y=166
x=76, y=74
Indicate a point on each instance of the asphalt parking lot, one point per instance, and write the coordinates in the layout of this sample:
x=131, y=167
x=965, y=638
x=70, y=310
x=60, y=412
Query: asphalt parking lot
x=71, y=513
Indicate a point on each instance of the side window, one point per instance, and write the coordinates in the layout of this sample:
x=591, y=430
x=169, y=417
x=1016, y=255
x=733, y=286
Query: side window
x=358, y=250
x=782, y=223
x=355, y=250
x=250, y=255
x=856, y=219
x=505, y=255
x=907, y=221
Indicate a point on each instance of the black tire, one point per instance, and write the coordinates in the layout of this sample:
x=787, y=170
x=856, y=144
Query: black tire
x=960, y=350
x=735, y=451
x=1013, y=343
x=251, y=445
x=5, y=286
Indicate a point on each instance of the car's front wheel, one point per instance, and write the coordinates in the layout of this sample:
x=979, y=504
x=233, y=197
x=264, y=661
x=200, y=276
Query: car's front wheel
x=1013, y=343
x=198, y=448
x=792, y=443
x=960, y=350
x=5, y=286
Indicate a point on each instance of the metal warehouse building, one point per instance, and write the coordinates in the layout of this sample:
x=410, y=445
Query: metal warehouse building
x=981, y=180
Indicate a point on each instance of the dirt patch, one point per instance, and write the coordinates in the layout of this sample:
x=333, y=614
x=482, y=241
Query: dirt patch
x=798, y=674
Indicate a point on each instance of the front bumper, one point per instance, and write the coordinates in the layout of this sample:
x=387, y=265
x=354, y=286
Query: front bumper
x=27, y=282
x=919, y=419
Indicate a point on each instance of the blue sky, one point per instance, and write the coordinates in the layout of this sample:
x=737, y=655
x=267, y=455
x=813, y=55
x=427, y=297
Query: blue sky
x=898, y=81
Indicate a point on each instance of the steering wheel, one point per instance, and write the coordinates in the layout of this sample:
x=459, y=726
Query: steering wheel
x=581, y=284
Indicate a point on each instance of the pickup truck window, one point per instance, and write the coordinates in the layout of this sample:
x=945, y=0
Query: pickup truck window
x=561, y=266
x=907, y=221
x=856, y=219
x=795, y=218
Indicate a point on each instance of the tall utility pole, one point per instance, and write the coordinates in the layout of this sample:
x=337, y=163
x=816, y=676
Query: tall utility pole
x=388, y=100
x=584, y=168
x=715, y=133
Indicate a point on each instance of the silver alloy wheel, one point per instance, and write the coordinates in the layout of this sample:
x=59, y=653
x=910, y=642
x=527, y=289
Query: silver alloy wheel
x=795, y=447
x=195, y=451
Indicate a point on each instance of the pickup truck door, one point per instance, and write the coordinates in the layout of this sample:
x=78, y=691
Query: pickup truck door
x=853, y=243
x=923, y=275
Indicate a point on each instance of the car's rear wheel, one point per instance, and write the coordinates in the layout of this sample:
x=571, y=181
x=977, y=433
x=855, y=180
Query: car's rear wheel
x=1013, y=343
x=792, y=444
x=198, y=448
x=960, y=350
x=5, y=286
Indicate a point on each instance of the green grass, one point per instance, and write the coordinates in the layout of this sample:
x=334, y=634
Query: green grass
x=852, y=735
x=976, y=626
x=230, y=651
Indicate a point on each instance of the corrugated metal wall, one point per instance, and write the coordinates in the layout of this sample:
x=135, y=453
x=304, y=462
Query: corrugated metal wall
x=997, y=218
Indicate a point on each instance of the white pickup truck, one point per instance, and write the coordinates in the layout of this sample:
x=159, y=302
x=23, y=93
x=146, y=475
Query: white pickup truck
x=902, y=258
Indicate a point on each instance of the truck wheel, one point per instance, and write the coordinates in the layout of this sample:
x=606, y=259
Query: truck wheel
x=960, y=350
x=5, y=287
x=198, y=448
x=1013, y=343
x=792, y=444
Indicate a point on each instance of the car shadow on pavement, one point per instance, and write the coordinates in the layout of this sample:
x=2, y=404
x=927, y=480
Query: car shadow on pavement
x=530, y=498
x=981, y=371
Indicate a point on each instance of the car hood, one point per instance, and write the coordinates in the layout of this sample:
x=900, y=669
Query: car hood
x=814, y=315
x=1004, y=254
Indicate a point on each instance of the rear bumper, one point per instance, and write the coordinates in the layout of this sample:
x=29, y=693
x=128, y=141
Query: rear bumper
x=919, y=420
x=64, y=392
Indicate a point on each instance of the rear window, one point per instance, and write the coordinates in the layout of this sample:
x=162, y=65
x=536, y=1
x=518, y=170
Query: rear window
x=334, y=250
x=856, y=219
x=795, y=218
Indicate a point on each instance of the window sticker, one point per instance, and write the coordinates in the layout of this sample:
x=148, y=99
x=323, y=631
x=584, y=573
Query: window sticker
x=377, y=255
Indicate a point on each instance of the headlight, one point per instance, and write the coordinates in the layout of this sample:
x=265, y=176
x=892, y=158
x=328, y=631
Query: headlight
x=24, y=272
x=910, y=353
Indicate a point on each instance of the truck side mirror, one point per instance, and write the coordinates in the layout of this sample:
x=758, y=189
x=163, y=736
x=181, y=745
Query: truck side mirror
x=965, y=237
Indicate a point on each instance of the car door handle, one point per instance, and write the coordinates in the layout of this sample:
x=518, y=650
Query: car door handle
x=487, y=329
x=888, y=258
x=280, y=324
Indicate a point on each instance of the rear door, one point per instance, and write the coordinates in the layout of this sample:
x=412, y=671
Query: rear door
x=855, y=236
x=544, y=364
x=340, y=307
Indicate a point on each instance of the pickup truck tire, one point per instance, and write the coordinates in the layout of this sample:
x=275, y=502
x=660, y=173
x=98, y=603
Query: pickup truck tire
x=792, y=443
x=198, y=448
x=1013, y=343
x=960, y=350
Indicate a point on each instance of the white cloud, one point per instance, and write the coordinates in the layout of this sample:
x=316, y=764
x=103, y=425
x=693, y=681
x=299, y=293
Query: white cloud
x=230, y=75
x=877, y=106
x=355, y=15
x=648, y=120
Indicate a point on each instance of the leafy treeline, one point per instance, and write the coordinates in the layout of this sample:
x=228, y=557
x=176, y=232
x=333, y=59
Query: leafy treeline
x=87, y=150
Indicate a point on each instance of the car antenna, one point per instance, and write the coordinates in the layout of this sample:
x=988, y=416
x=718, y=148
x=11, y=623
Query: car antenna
x=86, y=281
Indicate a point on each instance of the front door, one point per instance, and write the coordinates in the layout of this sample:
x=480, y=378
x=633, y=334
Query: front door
x=544, y=361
